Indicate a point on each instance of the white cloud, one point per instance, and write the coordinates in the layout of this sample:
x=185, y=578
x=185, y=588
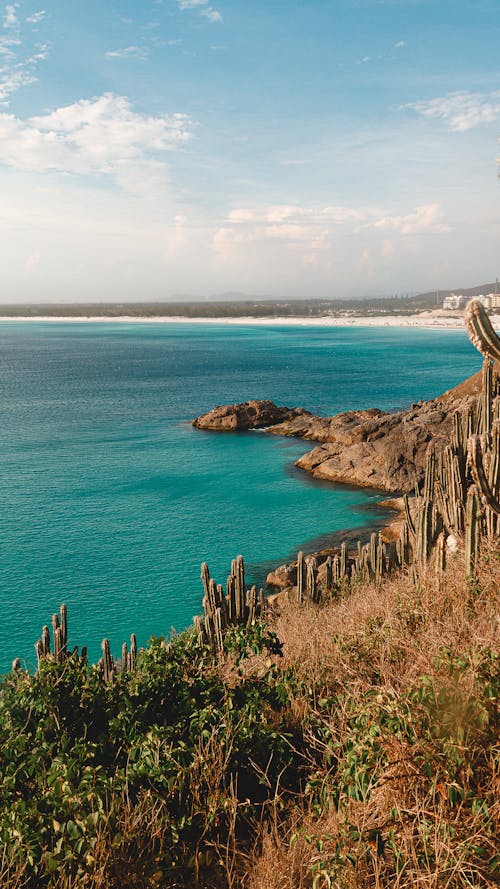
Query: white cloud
x=400, y=44
x=425, y=218
x=211, y=14
x=13, y=80
x=127, y=52
x=312, y=229
x=18, y=69
x=11, y=20
x=36, y=17
x=99, y=136
x=461, y=111
x=7, y=45
x=203, y=7
x=310, y=236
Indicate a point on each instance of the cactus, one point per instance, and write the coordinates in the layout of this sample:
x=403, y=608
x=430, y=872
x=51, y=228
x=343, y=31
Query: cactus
x=441, y=555
x=481, y=333
x=311, y=584
x=46, y=641
x=64, y=628
x=251, y=606
x=343, y=560
x=410, y=524
x=405, y=544
x=424, y=535
x=238, y=572
x=301, y=577
x=472, y=531
x=487, y=400
x=488, y=492
x=328, y=574
x=58, y=645
x=205, y=576
x=373, y=555
x=133, y=652
x=219, y=638
x=231, y=598
x=107, y=661
x=262, y=604
x=430, y=471
x=238, y=569
x=200, y=629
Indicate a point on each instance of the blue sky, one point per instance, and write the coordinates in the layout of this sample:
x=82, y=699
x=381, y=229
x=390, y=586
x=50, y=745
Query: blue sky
x=326, y=148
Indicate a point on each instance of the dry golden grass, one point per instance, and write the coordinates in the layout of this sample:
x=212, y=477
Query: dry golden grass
x=372, y=646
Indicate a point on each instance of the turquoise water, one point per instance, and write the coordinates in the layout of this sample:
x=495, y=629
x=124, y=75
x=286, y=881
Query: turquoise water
x=110, y=499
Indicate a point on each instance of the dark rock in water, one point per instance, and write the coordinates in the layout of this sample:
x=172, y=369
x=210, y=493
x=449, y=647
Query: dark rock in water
x=369, y=448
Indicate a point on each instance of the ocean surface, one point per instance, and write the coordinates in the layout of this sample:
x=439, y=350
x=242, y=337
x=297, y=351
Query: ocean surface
x=111, y=500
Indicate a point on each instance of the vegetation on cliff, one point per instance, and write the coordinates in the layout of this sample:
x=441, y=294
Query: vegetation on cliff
x=349, y=740
x=366, y=754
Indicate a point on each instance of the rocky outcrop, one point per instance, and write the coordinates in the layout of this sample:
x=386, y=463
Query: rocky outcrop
x=369, y=448
x=249, y=415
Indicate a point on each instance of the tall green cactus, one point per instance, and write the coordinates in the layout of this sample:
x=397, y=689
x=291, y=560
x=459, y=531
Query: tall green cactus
x=481, y=333
x=301, y=577
x=488, y=488
x=311, y=579
x=472, y=531
x=107, y=661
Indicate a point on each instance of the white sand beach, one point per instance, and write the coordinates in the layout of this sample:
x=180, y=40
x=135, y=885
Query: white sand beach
x=436, y=319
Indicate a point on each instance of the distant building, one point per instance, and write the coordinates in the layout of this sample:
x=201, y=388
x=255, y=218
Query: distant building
x=485, y=300
x=455, y=301
x=490, y=300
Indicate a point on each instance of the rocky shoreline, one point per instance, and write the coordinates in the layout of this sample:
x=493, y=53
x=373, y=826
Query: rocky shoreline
x=366, y=448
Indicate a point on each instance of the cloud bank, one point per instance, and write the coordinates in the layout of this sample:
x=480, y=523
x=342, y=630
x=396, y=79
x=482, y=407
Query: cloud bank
x=99, y=136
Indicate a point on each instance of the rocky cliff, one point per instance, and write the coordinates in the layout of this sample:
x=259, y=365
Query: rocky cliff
x=370, y=448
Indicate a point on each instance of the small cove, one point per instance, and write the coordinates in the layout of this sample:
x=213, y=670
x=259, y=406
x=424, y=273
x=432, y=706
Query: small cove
x=111, y=499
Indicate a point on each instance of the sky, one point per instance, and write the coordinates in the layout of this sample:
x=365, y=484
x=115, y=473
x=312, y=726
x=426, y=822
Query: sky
x=152, y=149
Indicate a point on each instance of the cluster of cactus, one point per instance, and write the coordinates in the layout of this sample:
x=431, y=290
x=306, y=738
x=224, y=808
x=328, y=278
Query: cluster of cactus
x=107, y=664
x=458, y=503
x=461, y=493
x=59, y=652
x=237, y=606
x=369, y=561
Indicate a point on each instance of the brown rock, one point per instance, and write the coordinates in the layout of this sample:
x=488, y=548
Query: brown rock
x=369, y=448
x=248, y=415
x=283, y=577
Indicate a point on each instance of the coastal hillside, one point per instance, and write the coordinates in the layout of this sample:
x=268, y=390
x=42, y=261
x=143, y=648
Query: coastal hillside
x=344, y=734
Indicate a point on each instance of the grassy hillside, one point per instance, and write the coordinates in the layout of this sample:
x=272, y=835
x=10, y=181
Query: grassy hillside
x=365, y=754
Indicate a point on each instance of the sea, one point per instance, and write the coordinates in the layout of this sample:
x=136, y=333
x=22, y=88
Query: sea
x=110, y=499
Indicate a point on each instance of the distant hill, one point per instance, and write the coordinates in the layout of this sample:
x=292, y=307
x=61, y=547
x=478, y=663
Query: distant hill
x=239, y=305
x=430, y=296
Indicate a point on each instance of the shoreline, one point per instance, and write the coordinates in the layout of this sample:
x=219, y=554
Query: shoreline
x=431, y=320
